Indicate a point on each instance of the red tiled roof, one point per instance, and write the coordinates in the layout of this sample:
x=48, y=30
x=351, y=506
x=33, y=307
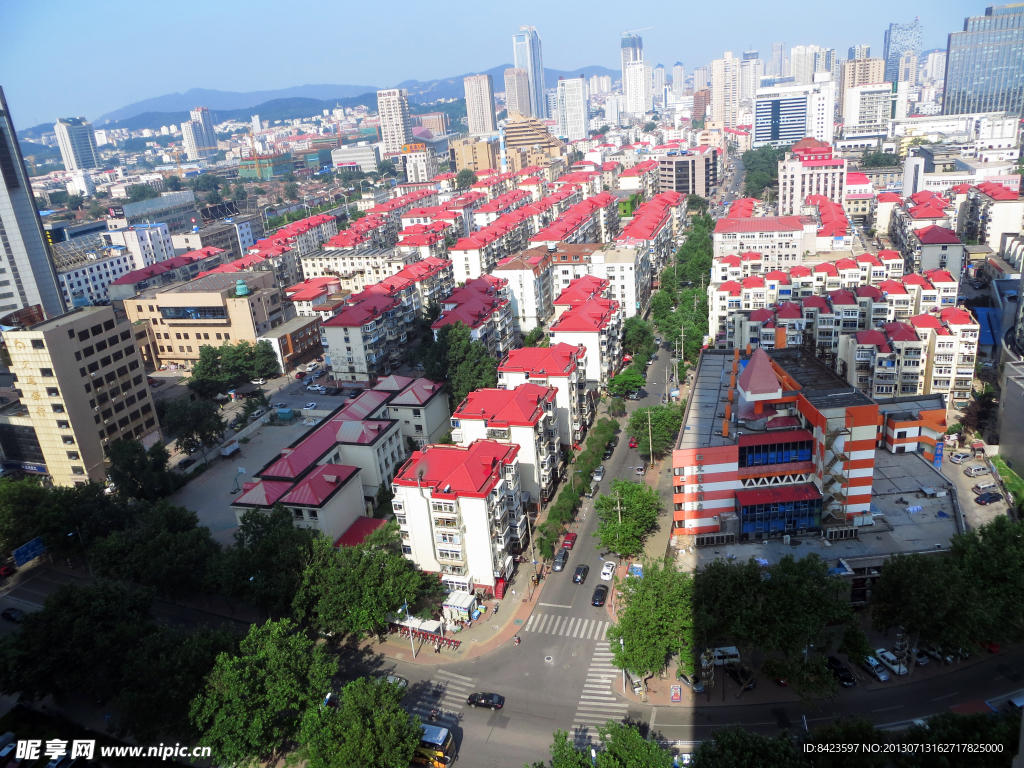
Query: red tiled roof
x=957, y=316
x=556, y=360
x=901, y=332
x=592, y=315
x=758, y=377
x=262, y=493
x=360, y=529
x=996, y=191
x=925, y=321
x=522, y=406
x=451, y=471
x=936, y=235
x=854, y=179
x=320, y=485
x=875, y=339
x=760, y=224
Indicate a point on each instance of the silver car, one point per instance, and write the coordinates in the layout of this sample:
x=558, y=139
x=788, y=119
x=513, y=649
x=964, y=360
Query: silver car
x=874, y=667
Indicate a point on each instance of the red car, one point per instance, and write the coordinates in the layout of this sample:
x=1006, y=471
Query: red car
x=633, y=442
x=9, y=570
x=299, y=375
x=570, y=540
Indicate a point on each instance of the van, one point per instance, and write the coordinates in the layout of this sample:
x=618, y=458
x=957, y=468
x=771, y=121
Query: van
x=729, y=654
x=987, y=487
x=636, y=681
x=257, y=413
x=976, y=470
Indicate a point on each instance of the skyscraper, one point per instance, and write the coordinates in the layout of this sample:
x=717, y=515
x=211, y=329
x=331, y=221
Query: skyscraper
x=725, y=89
x=803, y=63
x=631, y=49
x=256, y=126
x=77, y=143
x=393, y=112
x=659, y=79
x=985, y=63
x=775, y=66
x=900, y=38
x=23, y=254
x=526, y=54
x=573, y=114
x=480, y=103
x=678, y=78
x=198, y=135
x=854, y=72
x=859, y=52
x=785, y=114
x=700, y=79
x=517, y=91
x=638, y=87
x=751, y=71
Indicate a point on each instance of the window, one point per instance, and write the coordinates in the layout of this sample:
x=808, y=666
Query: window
x=73, y=455
x=38, y=344
x=77, y=471
x=57, y=407
x=52, y=392
x=63, y=425
x=47, y=372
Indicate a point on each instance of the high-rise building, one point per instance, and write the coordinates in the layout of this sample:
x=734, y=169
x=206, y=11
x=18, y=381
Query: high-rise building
x=551, y=97
x=199, y=136
x=517, y=91
x=725, y=89
x=611, y=111
x=419, y=162
x=868, y=108
x=775, y=66
x=700, y=79
x=638, y=87
x=659, y=79
x=256, y=126
x=77, y=143
x=908, y=69
x=678, y=78
x=631, y=48
x=751, y=71
x=393, y=111
x=985, y=63
x=526, y=54
x=600, y=84
x=573, y=114
x=701, y=103
x=803, y=62
x=28, y=270
x=825, y=60
x=480, y=103
x=856, y=72
x=859, y=52
x=785, y=114
x=935, y=66
x=900, y=38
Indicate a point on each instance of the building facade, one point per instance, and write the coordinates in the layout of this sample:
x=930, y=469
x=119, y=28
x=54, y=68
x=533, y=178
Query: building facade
x=480, y=104
x=77, y=143
x=527, y=54
x=985, y=63
x=393, y=111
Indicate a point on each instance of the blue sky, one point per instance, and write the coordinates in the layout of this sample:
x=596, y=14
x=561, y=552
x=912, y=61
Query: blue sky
x=87, y=58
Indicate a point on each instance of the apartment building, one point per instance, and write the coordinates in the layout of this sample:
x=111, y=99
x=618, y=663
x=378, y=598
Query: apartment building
x=461, y=513
x=304, y=236
x=933, y=247
x=952, y=335
x=629, y=274
x=854, y=72
x=177, y=269
x=356, y=267
x=480, y=103
x=810, y=169
x=393, y=111
x=530, y=278
x=644, y=177
x=886, y=362
x=473, y=154
x=317, y=296
x=362, y=156
x=83, y=386
x=562, y=367
x=177, y=210
x=597, y=326
x=483, y=306
x=364, y=339
x=419, y=405
x=524, y=416
x=210, y=310
x=784, y=114
x=689, y=172
x=780, y=240
x=235, y=235
x=993, y=213
x=420, y=163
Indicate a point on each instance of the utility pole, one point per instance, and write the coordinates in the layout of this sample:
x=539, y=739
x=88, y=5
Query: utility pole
x=533, y=555
x=650, y=436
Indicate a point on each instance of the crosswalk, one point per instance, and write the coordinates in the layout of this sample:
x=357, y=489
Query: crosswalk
x=598, y=702
x=447, y=693
x=567, y=626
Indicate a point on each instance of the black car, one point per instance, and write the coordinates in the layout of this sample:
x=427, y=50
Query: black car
x=186, y=462
x=988, y=498
x=609, y=451
x=600, y=595
x=581, y=574
x=492, y=700
x=741, y=675
x=13, y=615
x=331, y=391
x=843, y=675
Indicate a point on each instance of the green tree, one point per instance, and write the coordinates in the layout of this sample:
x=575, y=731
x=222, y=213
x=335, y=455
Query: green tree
x=197, y=423
x=662, y=426
x=261, y=361
x=762, y=167
x=368, y=728
x=254, y=701
x=651, y=126
x=138, y=472
x=291, y=190
x=465, y=179
x=876, y=159
x=214, y=198
x=205, y=182
x=625, y=747
x=162, y=675
x=638, y=506
x=466, y=364
x=355, y=590
x=19, y=500
x=95, y=209
x=168, y=550
x=655, y=620
x=534, y=337
x=386, y=168
x=252, y=404
x=172, y=183
x=208, y=378
x=616, y=407
x=564, y=754
x=258, y=190
x=696, y=203
x=139, y=192
x=76, y=644
x=637, y=337
x=74, y=202
x=239, y=195
x=736, y=748
x=624, y=383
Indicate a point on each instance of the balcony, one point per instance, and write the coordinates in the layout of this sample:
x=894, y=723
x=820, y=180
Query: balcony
x=498, y=434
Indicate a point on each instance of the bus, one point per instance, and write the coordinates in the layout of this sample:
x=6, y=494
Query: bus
x=437, y=747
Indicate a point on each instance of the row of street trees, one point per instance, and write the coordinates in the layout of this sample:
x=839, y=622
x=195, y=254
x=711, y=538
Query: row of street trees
x=222, y=367
x=682, y=301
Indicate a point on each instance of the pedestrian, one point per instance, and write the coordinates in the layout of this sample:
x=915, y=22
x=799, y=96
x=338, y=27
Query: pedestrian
x=513, y=593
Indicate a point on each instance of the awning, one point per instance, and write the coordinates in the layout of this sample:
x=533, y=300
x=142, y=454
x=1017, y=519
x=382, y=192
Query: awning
x=807, y=492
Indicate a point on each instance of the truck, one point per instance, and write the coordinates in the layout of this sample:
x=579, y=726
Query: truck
x=230, y=447
x=978, y=449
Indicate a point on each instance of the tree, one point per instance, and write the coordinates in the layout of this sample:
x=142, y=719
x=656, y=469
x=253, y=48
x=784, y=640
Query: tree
x=76, y=644
x=465, y=363
x=168, y=551
x=162, y=675
x=625, y=747
x=368, y=728
x=139, y=192
x=257, y=190
x=638, y=505
x=696, y=203
x=355, y=590
x=662, y=426
x=291, y=190
x=616, y=407
x=762, y=166
x=138, y=472
x=239, y=195
x=737, y=748
x=655, y=620
x=214, y=198
x=262, y=361
x=172, y=183
x=465, y=179
x=651, y=126
x=208, y=378
x=205, y=182
x=197, y=423
x=534, y=337
x=637, y=337
x=74, y=202
x=627, y=381
x=386, y=168
x=254, y=701
x=564, y=754
x=95, y=209
x=252, y=404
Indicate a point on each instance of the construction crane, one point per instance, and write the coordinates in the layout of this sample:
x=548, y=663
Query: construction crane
x=634, y=31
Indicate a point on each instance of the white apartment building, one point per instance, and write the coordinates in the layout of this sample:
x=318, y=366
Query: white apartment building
x=562, y=367
x=639, y=87
x=420, y=163
x=483, y=306
x=780, y=240
x=725, y=89
x=363, y=156
x=952, y=336
x=530, y=279
x=867, y=109
x=419, y=405
x=480, y=104
x=77, y=143
x=810, y=169
x=395, y=124
x=147, y=243
x=524, y=416
x=573, y=108
x=628, y=272
x=597, y=326
x=461, y=513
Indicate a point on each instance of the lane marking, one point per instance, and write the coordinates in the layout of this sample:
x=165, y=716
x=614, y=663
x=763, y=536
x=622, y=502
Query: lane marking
x=554, y=605
x=887, y=709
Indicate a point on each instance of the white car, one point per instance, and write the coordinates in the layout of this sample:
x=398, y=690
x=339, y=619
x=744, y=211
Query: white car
x=608, y=572
x=258, y=381
x=889, y=659
x=316, y=388
x=599, y=474
x=872, y=666
x=960, y=458
x=309, y=407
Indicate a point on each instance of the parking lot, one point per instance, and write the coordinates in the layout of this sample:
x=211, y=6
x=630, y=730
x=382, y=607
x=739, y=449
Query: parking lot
x=975, y=514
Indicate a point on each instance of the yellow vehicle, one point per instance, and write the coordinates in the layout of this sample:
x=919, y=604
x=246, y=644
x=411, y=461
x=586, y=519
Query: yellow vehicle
x=437, y=747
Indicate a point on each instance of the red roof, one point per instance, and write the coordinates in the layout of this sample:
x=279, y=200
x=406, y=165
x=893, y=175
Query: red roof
x=360, y=529
x=760, y=224
x=925, y=321
x=854, y=179
x=590, y=316
x=582, y=289
x=842, y=297
x=901, y=332
x=556, y=360
x=320, y=485
x=452, y=471
x=996, y=191
x=936, y=235
x=522, y=406
x=875, y=339
x=263, y=493
x=892, y=286
x=758, y=377
x=889, y=256
x=869, y=292
x=889, y=197
x=957, y=316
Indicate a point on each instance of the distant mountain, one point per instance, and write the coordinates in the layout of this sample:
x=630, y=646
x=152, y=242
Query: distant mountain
x=452, y=88
x=229, y=100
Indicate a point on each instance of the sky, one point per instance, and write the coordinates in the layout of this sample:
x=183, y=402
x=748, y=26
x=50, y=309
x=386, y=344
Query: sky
x=60, y=58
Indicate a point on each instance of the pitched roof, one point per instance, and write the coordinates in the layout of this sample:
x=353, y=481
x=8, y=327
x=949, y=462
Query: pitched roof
x=758, y=377
x=759, y=224
x=522, y=406
x=450, y=470
x=556, y=360
x=936, y=235
x=320, y=485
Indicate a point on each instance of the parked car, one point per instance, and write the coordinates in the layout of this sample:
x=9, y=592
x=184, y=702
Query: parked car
x=318, y=374
x=600, y=595
x=874, y=667
x=581, y=574
x=401, y=682
x=258, y=382
x=354, y=394
x=316, y=388
x=308, y=380
x=13, y=615
x=570, y=540
x=280, y=405
x=938, y=654
x=609, y=451
x=491, y=700
x=633, y=442
x=841, y=672
x=309, y=407
x=960, y=458
x=642, y=469
x=919, y=656
x=608, y=571
x=990, y=647
x=591, y=491
x=257, y=413
x=889, y=659
x=741, y=675
x=6, y=571
x=976, y=470
x=599, y=474
x=988, y=498
x=156, y=382
x=633, y=395
x=560, y=560
x=186, y=462
x=331, y=391
x=300, y=374
x=693, y=683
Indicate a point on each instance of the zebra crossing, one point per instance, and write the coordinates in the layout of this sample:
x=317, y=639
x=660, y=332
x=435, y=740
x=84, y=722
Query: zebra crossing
x=598, y=702
x=567, y=626
x=447, y=693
